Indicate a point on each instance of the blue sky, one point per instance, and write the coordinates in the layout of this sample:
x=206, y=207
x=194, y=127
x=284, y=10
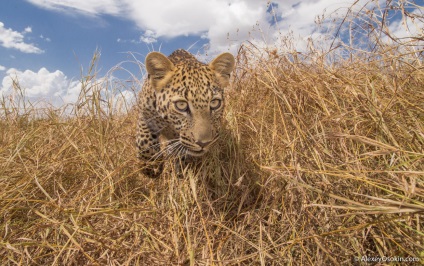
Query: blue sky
x=44, y=43
x=68, y=39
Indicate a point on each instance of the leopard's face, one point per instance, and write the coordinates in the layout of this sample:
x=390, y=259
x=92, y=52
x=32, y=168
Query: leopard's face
x=192, y=104
x=183, y=101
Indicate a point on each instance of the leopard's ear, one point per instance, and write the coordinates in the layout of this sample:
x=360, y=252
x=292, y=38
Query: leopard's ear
x=159, y=68
x=223, y=65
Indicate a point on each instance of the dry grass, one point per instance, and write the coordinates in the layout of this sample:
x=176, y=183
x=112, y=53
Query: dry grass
x=319, y=163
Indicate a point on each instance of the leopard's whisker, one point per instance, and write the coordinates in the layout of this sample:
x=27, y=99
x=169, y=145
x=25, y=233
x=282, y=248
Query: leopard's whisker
x=158, y=154
x=174, y=152
x=167, y=149
x=171, y=148
x=178, y=151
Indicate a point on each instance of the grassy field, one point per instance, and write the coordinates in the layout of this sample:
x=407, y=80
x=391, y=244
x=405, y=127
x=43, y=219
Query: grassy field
x=321, y=161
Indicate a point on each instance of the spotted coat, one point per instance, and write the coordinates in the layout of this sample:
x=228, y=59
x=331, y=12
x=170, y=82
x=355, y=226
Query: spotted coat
x=182, y=100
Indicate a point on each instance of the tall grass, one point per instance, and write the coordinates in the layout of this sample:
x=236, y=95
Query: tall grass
x=321, y=161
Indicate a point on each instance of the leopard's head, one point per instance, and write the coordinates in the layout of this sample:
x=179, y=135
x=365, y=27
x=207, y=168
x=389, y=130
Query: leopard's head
x=190, y=97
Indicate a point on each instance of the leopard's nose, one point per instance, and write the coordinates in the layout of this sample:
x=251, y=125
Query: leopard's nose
x=203, y=144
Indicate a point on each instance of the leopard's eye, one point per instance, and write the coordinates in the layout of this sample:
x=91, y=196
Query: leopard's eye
x=181, y=106
x=215, y=104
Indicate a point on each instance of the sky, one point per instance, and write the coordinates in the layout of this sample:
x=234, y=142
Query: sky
x=47, y=44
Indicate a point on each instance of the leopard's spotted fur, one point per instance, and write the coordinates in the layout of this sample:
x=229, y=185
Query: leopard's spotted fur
x=181, y=100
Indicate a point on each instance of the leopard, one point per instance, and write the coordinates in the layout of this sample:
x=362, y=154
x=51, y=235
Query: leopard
x=181, y=107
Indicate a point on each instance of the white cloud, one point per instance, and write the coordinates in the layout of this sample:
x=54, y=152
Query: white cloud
x=15, y=40
x=2, y=68
x=302, y=18
x=42, y=86
x=226, y=23
x=121, y=102
x=88, y=7
x=407, y=27
x=45, y=38
x=148, y=37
